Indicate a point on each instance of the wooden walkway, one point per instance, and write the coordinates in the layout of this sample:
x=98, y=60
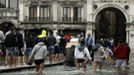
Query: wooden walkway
x=20, y=67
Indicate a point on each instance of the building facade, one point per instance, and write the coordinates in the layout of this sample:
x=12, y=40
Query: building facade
x=100, y=18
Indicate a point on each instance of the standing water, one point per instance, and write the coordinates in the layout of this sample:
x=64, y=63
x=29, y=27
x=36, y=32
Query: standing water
x=60, y=70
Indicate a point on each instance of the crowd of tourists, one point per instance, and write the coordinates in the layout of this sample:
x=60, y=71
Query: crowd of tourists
x=95, y=55
x=21, y=49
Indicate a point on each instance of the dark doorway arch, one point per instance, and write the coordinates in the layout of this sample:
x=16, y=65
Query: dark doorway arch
x=5, y=26
x=110, y=24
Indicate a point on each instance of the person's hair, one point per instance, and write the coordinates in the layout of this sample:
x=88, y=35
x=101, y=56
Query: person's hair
x=120, y=41
x=12, y=28
x=41, y=40
x=82, y=42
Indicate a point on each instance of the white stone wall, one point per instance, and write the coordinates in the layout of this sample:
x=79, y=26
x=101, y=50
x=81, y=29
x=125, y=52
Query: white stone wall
x=21, y=11
x=131, y=40
x=54, y=10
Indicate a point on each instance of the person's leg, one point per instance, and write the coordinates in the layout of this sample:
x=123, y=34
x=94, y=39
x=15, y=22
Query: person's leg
x=84, y=64
x=9, y=57
x=124, y=64
x=49, y=55
x=41, y=67
x=53, y=54
x=77, y=64
x=95, y=66
x=118, y=64
x=6, y=57
x=14, y=57
x=37, y=67
x=100, y=66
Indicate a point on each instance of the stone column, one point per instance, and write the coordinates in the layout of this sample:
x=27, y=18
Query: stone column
x=54, y=11
x=130, y=35
x=38, y=13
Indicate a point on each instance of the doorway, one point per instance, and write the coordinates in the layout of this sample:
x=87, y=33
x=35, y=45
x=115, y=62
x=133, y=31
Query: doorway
x=110, y=24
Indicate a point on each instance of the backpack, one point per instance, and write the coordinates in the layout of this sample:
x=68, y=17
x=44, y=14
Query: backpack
x=11, y=40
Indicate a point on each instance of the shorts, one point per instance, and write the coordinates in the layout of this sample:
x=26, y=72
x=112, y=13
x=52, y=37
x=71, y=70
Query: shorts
x=62, y=50
x=121, y=63
x=57, y=51
x=39, y=61
x=80, y=60
x=10, y=51
x=51, y=49
x=19, y=52
x=28, y=51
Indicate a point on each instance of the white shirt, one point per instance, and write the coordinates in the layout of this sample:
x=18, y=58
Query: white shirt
x=80, y=54
x=39, y=52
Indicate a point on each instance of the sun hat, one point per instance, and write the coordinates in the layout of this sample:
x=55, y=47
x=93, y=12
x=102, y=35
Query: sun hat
x=43, y=34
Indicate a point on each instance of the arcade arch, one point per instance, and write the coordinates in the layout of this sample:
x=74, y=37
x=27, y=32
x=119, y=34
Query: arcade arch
x=110, y=23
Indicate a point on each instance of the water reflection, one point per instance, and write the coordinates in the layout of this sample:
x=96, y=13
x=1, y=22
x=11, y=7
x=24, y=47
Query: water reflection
x=59, y=70
x=122, y=73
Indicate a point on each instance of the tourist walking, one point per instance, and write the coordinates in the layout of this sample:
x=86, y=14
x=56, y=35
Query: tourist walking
x=121, y=54
x=82, y=56
x=39, y=54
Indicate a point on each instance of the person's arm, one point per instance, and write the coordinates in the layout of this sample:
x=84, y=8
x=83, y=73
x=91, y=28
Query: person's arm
x=75, y=52
x=87, y=53
x=2, y=36
x=32, y=53
x=46, y=52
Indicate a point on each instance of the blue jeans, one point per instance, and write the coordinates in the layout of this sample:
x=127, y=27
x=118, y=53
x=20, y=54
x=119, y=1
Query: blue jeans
x=51, y=49
x=28, y=51
x=10, y=51
x=121, y=63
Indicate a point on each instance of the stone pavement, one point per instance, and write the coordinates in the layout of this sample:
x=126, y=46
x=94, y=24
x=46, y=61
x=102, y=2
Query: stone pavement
x=4, y=69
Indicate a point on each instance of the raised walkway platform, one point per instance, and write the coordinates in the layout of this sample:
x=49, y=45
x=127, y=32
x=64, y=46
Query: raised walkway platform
x=4, y=69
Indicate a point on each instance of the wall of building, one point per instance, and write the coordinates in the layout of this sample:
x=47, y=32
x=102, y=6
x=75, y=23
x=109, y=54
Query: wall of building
x=89, y=14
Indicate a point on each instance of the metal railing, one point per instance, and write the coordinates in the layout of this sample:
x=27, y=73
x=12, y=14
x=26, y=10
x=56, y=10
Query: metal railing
x=9, y=13
x=38, y=19
x=70, y=19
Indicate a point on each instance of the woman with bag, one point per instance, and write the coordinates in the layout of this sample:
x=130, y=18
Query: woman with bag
x=39, y=54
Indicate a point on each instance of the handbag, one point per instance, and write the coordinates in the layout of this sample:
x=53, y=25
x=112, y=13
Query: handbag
x=30, y=61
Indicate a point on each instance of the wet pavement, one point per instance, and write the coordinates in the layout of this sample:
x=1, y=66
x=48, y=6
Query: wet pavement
x=108, y=69
x=59, y=70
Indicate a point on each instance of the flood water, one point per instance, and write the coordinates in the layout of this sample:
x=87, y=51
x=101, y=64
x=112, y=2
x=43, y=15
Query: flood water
x=60, y=70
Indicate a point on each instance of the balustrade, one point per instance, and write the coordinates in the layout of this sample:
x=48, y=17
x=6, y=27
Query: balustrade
x=8, y=13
